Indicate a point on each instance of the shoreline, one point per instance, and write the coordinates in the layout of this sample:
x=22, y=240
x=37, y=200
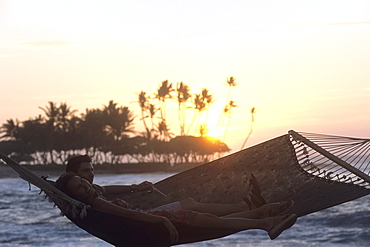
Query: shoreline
x=56, y=170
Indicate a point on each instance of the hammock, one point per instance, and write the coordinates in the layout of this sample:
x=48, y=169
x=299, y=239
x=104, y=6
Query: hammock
x=316, y=171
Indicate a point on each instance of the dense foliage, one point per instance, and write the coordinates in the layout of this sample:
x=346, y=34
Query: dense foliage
x=107, y=134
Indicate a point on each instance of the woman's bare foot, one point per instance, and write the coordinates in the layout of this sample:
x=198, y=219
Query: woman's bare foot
x=280, y=223
x=254, y=197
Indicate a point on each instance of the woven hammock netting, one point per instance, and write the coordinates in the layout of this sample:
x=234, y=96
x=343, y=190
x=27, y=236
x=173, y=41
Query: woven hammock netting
x=335, y=158
x=316, y=171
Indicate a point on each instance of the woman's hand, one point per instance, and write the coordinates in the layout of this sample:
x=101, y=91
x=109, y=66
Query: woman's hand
x=174, y=235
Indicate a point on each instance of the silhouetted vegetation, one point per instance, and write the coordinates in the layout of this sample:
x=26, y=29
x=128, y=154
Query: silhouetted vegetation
x=108, y=134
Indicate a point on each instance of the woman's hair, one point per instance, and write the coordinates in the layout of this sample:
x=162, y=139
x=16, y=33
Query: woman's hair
x=74, y=163
x=66, y=207
x=62, y=185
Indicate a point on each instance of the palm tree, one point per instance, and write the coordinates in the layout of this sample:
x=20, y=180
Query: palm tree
x=253, y=111
x=196, y=102
x=143, y=103
x=164, y=131
x=164, y=92
x=92, y=131
x=203, y=130
x=119, y=119
x=52, y=114
x=201, y=102
x=33, y=138
x=227, y=113
x=231, y=82
x=72, y=136
x=126, y=117
x=208, y=100
x=152, y=111
x=199, y=106
x=65, y=116
x=63, y=127
x=10, y=129
x=183, y=95
x=111, y=113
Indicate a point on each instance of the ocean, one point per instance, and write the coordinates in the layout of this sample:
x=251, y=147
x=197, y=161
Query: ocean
x=28, y=219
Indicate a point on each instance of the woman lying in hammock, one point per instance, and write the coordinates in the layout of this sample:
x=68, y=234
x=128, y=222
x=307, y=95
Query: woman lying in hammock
x=270, y=217
x=82, y=166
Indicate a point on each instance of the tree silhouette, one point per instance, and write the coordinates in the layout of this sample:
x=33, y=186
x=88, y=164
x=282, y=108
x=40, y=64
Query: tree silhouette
x=231, y=82
x=201, y=102
x=64, y=117
x=119, y=120
x=92, y=131
x=164, y=131
x=253, y=111
x=108, y=134
x=227, y=113
x=198, y=107
x=183, y=95
x=34, y=139
x=10, y=129
x=143, y=103
x=207, y=100
x=65, y=130
x=164, y=92
x=152, y=111
x=52, y=115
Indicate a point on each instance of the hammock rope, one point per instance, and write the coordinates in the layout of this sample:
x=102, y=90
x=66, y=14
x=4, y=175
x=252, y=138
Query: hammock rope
x=62, y=200
x=334, y=158
x=316, y=171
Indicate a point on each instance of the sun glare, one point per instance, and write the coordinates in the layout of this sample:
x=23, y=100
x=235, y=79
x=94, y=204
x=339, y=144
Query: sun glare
x=213, y=133
x=214, y=126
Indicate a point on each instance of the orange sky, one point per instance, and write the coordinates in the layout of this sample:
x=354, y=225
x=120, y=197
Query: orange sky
x=303, y=64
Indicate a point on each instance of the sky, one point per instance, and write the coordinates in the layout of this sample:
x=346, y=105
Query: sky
x=304, y=65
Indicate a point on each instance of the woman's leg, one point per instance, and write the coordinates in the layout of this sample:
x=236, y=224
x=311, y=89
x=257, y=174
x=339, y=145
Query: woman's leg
x=273, y=225
x=215, y=209
x=252, y=200
x=240, y=209
x=267, y=210
x=240, y=224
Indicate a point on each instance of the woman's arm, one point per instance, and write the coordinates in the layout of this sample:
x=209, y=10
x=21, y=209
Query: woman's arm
x=118, y=189
x=108, y=207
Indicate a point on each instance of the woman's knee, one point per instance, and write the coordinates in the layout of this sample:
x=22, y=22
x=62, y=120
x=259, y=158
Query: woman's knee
x=188, y=203
x=206, y=220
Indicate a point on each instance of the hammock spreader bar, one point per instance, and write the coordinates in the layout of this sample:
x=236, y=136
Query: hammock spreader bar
x=328, y=155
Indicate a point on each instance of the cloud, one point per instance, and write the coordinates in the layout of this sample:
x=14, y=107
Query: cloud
x=332, y=24
x=48, y=44
x=8, y=55
x=346, y=23
x=10, y=48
